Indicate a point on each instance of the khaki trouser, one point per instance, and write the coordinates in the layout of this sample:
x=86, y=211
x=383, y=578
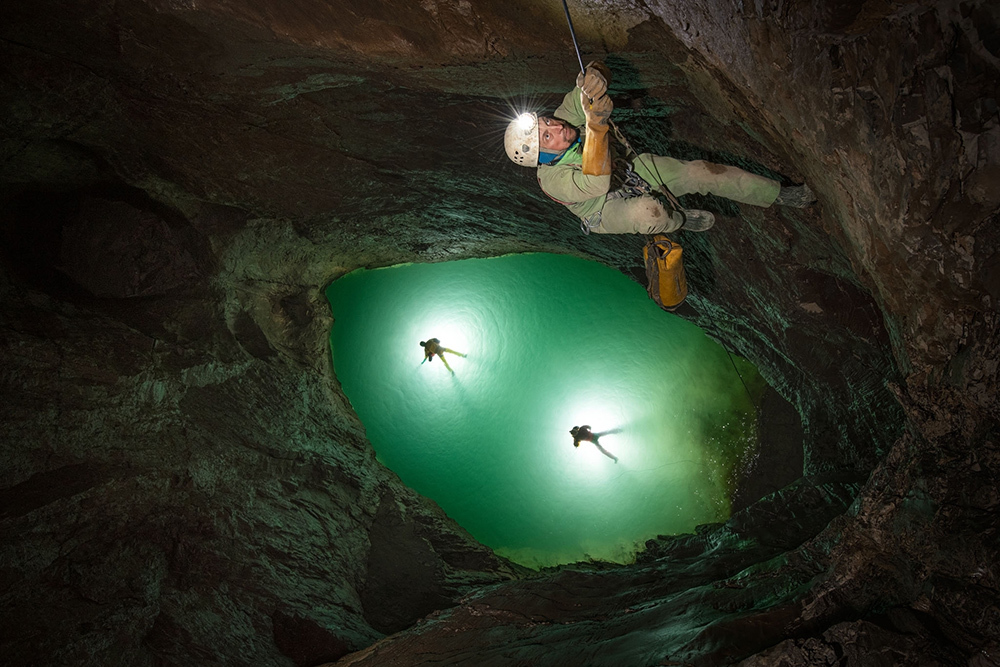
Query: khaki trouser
x=645, y=214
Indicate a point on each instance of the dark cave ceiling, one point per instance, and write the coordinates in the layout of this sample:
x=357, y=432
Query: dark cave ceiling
x=185, y=481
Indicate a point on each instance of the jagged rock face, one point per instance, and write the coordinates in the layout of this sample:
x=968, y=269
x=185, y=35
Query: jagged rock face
x=185, y=481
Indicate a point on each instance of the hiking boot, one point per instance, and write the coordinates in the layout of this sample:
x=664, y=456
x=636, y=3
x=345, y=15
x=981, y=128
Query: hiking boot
x=696, y=220
x=796, y=196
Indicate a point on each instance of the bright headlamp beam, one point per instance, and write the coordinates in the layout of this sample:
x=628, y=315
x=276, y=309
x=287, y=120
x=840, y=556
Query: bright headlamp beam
x=525, y=122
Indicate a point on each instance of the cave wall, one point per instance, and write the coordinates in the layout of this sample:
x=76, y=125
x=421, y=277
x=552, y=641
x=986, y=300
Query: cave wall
x=185, y=481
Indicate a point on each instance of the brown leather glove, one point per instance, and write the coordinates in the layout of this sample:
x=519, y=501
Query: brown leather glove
x=594, y=80
x=598, y=111
x=596, y=152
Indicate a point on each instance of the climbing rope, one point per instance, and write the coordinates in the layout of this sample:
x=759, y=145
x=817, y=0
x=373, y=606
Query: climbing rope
x=756, y=408
x=572, y=33
x=672, y=463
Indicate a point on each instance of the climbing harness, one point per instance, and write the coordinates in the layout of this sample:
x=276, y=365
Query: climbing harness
x=629, y=184
x=662, y=192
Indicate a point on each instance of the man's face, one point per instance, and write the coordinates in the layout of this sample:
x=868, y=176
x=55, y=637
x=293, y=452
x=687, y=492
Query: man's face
x=555, y=135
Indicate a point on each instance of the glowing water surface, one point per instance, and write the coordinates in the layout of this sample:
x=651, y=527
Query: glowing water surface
x=553, y=341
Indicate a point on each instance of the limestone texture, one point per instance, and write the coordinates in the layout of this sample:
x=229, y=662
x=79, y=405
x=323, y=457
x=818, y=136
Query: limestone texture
x=184, y=482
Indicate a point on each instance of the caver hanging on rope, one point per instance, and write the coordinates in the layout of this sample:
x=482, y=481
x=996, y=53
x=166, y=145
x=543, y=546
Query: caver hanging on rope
x=573, y=156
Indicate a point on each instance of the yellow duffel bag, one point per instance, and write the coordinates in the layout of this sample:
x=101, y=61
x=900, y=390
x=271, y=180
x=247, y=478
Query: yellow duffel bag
x=665, y=272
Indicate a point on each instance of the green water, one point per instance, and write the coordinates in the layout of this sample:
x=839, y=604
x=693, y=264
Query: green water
x=552, y=342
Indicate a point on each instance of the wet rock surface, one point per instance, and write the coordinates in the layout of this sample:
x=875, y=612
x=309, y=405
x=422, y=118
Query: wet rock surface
x=185, y=482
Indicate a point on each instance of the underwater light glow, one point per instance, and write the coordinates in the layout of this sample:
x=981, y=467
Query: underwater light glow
x=552, y=342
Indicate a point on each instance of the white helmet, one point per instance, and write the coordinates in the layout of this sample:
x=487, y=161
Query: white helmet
x=521, y=140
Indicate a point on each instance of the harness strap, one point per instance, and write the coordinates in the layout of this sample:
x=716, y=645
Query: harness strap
x=630, y=153
x=630, y=184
